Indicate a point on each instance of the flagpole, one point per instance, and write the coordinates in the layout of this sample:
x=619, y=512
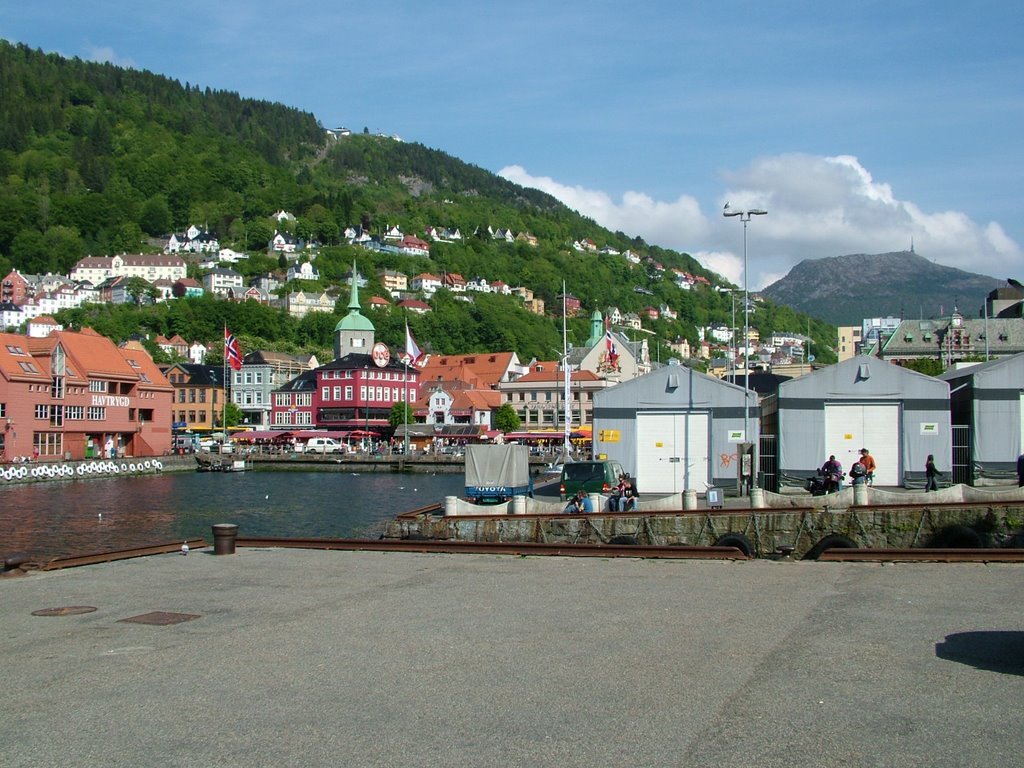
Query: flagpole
x=565, y=373
x=405, y=409
x=224, y=399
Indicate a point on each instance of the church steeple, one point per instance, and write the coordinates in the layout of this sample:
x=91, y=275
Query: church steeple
x=354, y=333
x=596, y=329
x=353, y=302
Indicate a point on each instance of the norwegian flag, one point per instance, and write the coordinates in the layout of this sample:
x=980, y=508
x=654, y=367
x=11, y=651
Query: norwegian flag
x=609, y=340
x=413, y=355
x=232, y=352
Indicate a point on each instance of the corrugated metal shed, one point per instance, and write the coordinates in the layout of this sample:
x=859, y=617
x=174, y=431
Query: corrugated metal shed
x=674, y=428
x=989, y=399
x=899, y=415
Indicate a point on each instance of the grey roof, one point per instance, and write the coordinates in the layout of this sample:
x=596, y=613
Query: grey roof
x=930, y=338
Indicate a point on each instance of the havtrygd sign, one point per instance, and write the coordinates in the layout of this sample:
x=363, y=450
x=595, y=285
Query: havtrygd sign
x=736, y=436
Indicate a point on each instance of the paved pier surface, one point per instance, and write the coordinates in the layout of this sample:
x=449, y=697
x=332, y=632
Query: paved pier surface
x=369, y=659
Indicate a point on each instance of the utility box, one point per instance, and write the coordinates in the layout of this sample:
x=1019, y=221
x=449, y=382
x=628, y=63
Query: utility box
x=714, y=498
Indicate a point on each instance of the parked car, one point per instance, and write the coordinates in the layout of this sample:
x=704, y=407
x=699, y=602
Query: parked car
x=589, y=477
x=324, y=445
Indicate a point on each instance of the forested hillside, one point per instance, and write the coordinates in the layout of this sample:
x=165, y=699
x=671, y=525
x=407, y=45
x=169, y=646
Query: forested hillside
x=97, y=159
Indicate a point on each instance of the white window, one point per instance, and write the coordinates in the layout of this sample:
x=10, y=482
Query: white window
x=348, y=392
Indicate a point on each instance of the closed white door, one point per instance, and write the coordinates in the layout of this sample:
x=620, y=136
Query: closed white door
x=875, y=426
x=672, y=452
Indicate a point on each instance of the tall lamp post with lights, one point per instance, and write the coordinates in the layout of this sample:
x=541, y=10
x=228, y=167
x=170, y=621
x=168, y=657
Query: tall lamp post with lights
x=745, y=218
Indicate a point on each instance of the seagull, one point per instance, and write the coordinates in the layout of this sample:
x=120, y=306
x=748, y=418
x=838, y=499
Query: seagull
x=184, y=548
x=267, y=496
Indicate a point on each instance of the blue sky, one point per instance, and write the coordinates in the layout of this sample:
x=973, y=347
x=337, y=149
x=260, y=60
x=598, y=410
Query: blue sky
x=858, y=127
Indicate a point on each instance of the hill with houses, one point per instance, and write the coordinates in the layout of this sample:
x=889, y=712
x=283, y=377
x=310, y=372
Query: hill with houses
x=143, y=207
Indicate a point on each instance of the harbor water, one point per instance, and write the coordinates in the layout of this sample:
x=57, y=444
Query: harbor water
x=78, y=517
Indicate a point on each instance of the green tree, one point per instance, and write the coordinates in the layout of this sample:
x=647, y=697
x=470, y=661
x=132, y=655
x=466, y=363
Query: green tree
x=926, y=365
x=140, y=290
x=506, y=419
x=401, y=413
x=155, y=217
x=232, y=414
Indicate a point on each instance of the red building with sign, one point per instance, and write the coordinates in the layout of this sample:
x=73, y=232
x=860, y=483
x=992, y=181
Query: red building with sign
x=78, y=395
x=354, y=392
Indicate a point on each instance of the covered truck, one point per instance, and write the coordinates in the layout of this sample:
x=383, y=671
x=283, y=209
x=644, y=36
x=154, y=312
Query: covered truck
x=496, y=473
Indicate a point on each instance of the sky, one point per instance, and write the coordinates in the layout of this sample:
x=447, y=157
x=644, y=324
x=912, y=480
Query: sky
x=861, y=128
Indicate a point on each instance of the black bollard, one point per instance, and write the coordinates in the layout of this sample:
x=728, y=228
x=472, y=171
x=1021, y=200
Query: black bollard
x=13, y=564
x=224, y=535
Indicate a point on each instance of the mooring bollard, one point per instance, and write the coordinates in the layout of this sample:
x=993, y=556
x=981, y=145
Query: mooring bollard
x=224, y=535
x=518, y=506
x=860, y=494
x=451, y=506
x=757, y=498
x=689, y=499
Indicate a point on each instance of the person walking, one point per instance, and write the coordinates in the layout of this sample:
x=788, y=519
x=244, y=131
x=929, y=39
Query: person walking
x=869, y=465
x=1020, y=471
x=931, y=474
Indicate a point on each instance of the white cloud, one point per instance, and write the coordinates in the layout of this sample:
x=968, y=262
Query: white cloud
x=108, y=54
x=667, y=224
x=817, y=207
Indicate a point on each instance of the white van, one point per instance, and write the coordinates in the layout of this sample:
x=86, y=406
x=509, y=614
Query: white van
x=324, y=445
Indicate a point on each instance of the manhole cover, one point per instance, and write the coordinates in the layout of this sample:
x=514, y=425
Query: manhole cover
x=162, y=618
x=67, y=610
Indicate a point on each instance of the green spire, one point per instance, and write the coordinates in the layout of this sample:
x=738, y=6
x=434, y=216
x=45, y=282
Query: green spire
x=353, y=302
x=354, y=320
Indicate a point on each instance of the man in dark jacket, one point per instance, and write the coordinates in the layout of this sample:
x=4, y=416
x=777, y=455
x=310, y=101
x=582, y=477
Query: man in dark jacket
x=1020, y=470
x=630, y=495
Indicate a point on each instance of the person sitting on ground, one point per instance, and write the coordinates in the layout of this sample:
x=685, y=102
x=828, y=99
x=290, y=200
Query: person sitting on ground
x=578, y=504
x=615, y=499
x=630, y=495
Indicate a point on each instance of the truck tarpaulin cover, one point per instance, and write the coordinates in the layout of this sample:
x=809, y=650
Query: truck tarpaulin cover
x=497, y=470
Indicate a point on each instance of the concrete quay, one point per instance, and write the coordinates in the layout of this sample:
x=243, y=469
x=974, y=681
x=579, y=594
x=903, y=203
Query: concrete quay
x=298, y=657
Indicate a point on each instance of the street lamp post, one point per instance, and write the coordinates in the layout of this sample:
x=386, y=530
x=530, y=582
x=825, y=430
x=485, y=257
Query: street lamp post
x=745, y=218
x=732, y=330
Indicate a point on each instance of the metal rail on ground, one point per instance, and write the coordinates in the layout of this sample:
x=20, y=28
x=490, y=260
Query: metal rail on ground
x=924, y=555
x=119, y=554
x=501, y=548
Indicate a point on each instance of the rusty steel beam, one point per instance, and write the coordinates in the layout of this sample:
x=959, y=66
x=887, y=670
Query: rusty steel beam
x=924, y=555
x=120, y=554
x=500, y=548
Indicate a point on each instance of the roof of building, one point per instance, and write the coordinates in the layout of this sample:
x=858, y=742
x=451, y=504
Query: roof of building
x=484, y=370
x=199, y=375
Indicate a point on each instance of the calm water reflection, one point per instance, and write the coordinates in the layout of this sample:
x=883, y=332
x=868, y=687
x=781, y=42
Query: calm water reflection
x=86, y=516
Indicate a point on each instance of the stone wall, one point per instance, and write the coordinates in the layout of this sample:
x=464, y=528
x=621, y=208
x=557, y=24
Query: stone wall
x=763, y=530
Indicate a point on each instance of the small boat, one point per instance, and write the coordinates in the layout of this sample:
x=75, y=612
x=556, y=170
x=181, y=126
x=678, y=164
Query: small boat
x=209, y=462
